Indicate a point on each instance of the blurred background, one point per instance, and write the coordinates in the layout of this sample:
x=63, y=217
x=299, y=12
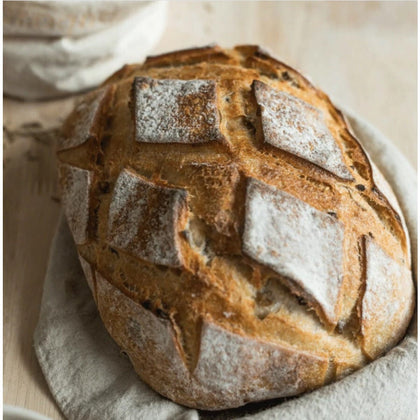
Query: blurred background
x=363, y=54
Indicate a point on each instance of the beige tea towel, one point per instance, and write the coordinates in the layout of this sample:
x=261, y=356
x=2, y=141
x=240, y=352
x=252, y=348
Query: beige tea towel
x=52, y=49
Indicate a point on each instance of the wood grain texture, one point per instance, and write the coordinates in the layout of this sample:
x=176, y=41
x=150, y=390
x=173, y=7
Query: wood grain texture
x=363, y=54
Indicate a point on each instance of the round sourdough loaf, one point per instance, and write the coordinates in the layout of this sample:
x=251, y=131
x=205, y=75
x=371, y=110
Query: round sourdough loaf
x=239, y=243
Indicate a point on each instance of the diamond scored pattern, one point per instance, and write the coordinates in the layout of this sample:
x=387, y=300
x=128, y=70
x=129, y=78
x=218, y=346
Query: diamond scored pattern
x=280, y=231
x=177, y=111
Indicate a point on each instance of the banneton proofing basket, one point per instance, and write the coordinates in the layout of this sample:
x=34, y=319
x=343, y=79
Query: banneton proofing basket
x=52, y=49
x=91, y=379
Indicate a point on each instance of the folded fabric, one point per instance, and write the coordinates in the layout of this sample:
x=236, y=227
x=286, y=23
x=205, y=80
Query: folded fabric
x=36, y=66
x=91, y=379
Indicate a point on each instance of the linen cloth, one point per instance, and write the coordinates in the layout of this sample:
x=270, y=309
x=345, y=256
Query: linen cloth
x=91, y=379
x=52, y=49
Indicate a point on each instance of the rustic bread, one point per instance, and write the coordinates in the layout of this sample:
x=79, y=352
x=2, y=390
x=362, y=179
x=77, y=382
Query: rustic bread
x=238, y=241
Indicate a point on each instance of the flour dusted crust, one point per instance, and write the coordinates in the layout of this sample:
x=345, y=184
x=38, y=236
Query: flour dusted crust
x=387, y=300
x=76, y=185
x=144, y=218
x=139, y=331
x=240, y=244
x=270, y=369
x=298, y=127
x=175, y=111
x=85, y=122
x=296, y=241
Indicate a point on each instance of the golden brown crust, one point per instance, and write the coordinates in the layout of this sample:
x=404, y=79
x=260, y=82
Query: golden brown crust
x=230, y=371
x=180, y=263
x=209, y=53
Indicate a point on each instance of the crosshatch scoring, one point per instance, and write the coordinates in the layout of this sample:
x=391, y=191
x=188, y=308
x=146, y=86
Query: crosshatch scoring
x=230, y=225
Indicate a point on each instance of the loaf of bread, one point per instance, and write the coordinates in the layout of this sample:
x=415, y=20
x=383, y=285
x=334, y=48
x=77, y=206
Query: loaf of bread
x=238, y=241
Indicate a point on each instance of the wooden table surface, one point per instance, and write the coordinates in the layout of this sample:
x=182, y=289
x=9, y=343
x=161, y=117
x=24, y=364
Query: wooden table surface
x=363, y=54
